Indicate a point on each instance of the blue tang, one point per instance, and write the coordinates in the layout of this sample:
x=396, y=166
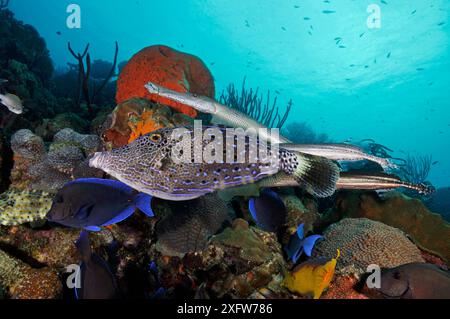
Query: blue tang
x=268, y=211
x=95, y=277
x=298, y=244
x=92, y=203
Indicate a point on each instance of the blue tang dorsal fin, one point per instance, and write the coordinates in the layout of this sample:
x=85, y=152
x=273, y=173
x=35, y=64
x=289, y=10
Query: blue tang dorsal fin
x=105, y=182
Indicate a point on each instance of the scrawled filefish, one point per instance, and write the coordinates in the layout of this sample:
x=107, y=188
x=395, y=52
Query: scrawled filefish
x=222, y=114
x=153, y=165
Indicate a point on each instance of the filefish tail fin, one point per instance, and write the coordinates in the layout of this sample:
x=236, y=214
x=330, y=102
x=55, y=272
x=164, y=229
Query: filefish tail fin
x=144, y=203
x=84, y=246
x=317, y=175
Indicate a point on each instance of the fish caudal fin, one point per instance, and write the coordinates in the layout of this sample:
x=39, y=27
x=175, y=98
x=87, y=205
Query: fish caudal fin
x=144, y=203
x=83, y=245
x=317, y=175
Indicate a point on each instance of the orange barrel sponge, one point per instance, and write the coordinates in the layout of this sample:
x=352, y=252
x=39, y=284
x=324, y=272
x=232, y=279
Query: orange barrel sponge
x=166, y=67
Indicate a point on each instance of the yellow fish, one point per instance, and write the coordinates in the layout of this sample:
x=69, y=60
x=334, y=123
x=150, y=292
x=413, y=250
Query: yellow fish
x=311, y=277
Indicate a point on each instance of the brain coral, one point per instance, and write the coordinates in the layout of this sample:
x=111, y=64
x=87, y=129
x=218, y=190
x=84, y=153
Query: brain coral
x=27, y=145
x=167, y=67
x=363, y=242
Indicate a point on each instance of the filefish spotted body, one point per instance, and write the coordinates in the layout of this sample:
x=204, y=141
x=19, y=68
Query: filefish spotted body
x=91, y=203
x=148, y=165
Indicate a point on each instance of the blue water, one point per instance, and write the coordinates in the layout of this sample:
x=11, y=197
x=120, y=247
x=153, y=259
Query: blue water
x=401, y=99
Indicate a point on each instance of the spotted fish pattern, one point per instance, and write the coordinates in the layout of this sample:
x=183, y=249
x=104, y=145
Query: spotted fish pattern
x=18, y=207
x=150, y=165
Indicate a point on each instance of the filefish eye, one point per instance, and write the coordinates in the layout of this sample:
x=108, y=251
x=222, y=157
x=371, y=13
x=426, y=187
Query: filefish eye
x=155, y=137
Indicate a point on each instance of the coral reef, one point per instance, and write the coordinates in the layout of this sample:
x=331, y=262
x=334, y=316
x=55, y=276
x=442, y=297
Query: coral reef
x=397, y=210
x=49, y=127
x=363, y=242
x=187, y=226
x=439, y=202
x=239, y=262
x=89, y=90
x=167, y=67
x=23, y=282
x=36, y=169
x=25, y=62
x=137, y=117
x=251, y=103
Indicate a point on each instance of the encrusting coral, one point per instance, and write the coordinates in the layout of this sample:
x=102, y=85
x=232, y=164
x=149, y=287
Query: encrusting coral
x=35, y=169
x=363, y=242
x=137, y=117
x=428, y=230
x=23, y=282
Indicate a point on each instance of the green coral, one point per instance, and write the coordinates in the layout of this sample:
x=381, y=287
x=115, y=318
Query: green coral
x=19, y=207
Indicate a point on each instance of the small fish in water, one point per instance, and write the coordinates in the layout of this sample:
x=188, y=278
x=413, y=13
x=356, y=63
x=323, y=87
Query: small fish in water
x=420, y=69
x=311, y=277
x=309, y=32
x=298, y=244
x=3, y=81
x=268, y=211
x=415, y=281
x=58, y=32
x=283, y=28
x=296, y=6
x=383, y=2
x=306, y=18
x=388, y=55
x=95, y=277
x=362, y=34
x=414, y=11
x=441, y=23
x=328, y=11
x=247, y=24
x=12, y=102
x=342, y=47
x=92, y=203
x=435, y=162
x=148, y=165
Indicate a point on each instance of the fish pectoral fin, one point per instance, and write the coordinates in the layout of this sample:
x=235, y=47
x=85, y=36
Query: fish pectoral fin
x=121, y=217
x=144, y=203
